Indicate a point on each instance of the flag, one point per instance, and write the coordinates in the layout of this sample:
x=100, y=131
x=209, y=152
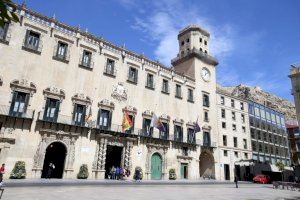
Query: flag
x=155, y=122
x=127, y=123
x=196, y=127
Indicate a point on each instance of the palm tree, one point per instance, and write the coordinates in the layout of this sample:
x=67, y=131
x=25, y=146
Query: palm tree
x=7, y=15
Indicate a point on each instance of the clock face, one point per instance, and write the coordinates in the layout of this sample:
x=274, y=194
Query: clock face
x=205, y=74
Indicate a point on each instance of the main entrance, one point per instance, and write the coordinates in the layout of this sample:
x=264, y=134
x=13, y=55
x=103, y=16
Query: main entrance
x=226, y=172
x=207, y=165
x=156, y=166
x=55, y=153
x=113, y=158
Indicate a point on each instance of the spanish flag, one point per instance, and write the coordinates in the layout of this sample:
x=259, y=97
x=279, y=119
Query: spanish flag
x=127, y=123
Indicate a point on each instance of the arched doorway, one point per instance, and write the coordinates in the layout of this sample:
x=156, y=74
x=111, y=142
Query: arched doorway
x=55, y=153
x=156, y=166
x=207, y=165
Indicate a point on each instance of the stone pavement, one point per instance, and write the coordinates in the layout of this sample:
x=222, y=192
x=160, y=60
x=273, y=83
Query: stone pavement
x=151, y=192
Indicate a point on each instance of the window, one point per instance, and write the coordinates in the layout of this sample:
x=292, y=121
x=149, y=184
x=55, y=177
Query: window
x=254, y=147
x=178, y=91
x=233, y=127
x=223, y=124
x=244, y=129
x=61, y=52
x=265, y=136
x=223, y=113
x=232, y=103
x=206, y=139
x=165, y=86
x=182, y=43
x=104, y=119
x=243, y=118
x=188, y=40
x=150, y=81
x=246, y=155
x=86, y=58
x=201, y=49
x=133, y=75
x=252, y=131
x=206, y=119
x=205, y=42
x=191, y=135
x=222, y=100
x=224, y=140
x=233, y=115
x=235, y=142
x=110, y=67
x=205, y=100
x=258, y=135
x=260, y=147
x=225, y=152
x=51, y=110
x=245, y=143
x=178, y=133
x=3, y=32
x=185, y=151
x=242, y=105
x=164, y=135
x=200, y=39
x=19, y=104
x=190, y=95
x=236, y=154
x=147, y=130
x=205, y=51
x=79, y=114
x=32, y=40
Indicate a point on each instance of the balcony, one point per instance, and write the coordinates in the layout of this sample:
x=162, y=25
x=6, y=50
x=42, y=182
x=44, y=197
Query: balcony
x=86, y=64
x=110, y=70
x=5, y=111
x=37, y=49
x=207, y=144
x=61, y=57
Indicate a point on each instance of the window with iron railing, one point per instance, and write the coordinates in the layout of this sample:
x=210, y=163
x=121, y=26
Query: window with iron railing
x=150, y=81
x=164, y=134
x=19, y=104
x=178, y=133
x=51, y=110
x=206, y=139
x=86, y=60
x=133, y=75
x=147, y=129
x=191, y=135
x=79, y=115
x=104, y=119
x=61, y=51
x=32, y=41
x=110, y=67
x=165, y=86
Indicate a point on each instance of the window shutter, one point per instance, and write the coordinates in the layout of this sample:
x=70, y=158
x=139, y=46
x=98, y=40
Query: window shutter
x=46, y=108
x=109, y=119
x=132, y=123
x=13, y=102
x=175, y=133
x=181, y=134
x=74, y=113
x=26, y=102
x=56, y=110
x=83, y=115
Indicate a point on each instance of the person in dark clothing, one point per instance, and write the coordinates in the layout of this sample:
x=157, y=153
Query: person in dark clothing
x=50, y=170
x=236, y=182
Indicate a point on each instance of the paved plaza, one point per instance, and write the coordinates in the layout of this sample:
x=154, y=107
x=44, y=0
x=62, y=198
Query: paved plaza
x=145, y=192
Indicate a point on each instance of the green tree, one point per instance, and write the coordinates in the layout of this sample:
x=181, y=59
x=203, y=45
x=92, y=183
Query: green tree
x=280, y=167
x=6, y=14
x=83, y=172
x=19, y=171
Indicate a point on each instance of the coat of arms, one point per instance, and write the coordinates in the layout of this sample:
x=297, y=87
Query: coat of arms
x=119, y=92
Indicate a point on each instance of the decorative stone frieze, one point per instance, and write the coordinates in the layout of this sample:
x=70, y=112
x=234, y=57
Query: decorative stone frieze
x=23, y=85
x=147, y=114
x=81, y=99
x=54, y=92
x=178, y=121
x=119, y=92
x=130, y=109
x=106, y=104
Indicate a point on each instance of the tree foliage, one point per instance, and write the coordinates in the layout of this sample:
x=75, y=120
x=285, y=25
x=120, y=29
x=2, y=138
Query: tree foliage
x=7, y=12
x=83, y=172
x=280, y=166
x=19, y=171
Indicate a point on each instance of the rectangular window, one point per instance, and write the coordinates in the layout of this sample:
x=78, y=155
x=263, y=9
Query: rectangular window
x=178, y=133
x=3, y=31
x=178, y=91
x=61, y=51
x=225, y=153
x=147, y=129
x=104, y=119
x=223, y=124
x=110, y=67
x=243, y=118
x=191, y=135
x=245, y=143
x=244, y=129
x=32, y=40
x=205, y=42
x=190, y=95
x=223, y=113
x=133, y=75
x=51, y=110
x=233, y=127
x=254, y=147
x=246, y=155
x=224, y=140
x=233, y=116
x=164, y=134
x=232, y=103
x=165, y=86
x=205, y=100
x=206, y=118
x=222, y=100
x=150, y=81
x=79, y=114
x=206, y=139
x=242, y=105
x=235, y=142
x=236, y=154
x=86, y=58
x=19, y=104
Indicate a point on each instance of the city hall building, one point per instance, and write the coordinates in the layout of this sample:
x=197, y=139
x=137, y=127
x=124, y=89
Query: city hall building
x=64, y=92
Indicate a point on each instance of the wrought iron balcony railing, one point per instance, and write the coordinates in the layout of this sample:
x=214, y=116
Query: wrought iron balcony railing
x=5, y=110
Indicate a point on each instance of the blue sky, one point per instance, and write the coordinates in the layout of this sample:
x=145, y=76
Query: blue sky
x=255, y=41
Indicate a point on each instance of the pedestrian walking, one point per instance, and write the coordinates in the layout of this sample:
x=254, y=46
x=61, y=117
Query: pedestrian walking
x=113, y=172
x=51, y=167
x=117, y=173
x=236, y=182
x=2, y=171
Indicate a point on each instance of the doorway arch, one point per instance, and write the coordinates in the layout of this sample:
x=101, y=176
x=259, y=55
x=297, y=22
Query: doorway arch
x=55, y=153
x=207, y=165
x=156, y=166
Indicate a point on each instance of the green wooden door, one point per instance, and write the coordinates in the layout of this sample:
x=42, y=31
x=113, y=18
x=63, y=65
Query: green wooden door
x=156, y=163
x=183, y=170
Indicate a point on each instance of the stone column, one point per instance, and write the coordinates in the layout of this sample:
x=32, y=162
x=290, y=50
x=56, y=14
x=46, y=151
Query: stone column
x=100, y=158
x=128, y=152
x=70, y=157
x=39, y=158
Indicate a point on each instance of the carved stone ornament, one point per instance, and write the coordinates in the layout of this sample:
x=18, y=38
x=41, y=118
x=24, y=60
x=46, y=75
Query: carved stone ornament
x=147, y=113
x=206, y=127
x=165, y=117
x=190, y=124
x=178, y=121
x=105, y=103
x=119, y=92
x=81, y=99
x=23, y=85
x=54, y=92
x=130, y=109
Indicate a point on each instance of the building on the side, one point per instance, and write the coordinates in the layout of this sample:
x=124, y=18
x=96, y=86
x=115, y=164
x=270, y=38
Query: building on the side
x=234, y=143
x=269, y=140
x=64, y=92
x=295, y=80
